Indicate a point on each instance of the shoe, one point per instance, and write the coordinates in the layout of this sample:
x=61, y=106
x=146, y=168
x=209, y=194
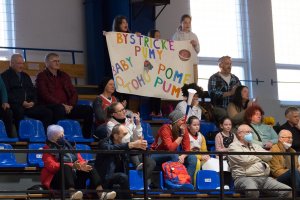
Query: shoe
x=77, y=196
x=140, y=167
x=108, y=195
x=226, y=187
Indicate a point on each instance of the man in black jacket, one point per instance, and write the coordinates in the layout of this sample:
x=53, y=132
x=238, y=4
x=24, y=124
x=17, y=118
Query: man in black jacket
x=22, y=94
x=112, y=167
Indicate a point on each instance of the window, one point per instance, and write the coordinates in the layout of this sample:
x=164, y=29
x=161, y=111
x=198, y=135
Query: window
x=6, y=28
x=225, y=33
x=286, y=30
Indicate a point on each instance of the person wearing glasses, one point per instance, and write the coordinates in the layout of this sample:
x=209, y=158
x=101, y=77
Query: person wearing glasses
x=56, y=91
x=252, y=171
x=281, y=164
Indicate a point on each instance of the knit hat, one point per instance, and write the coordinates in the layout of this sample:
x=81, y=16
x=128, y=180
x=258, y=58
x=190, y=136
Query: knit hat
x=175, y=116
x=103, y=83
x=53, y=131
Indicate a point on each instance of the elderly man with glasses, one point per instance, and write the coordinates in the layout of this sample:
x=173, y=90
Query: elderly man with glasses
x=281, y=164
x=251, y=172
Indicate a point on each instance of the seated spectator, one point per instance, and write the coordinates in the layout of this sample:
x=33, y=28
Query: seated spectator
x=106, y=98
x=281, y=164
x=197, y=141
x=154, y=34
x=169, y=138
x=264, y=135
x=56, y=91
x=112, y=167
x=76, y=169
x=5, y=112
x=292, y=124
x=22, y=97
x=195, y=109
x=222, y=86
x=117, y=115
x=252, y=171
x=224, y=138
x=237, y=107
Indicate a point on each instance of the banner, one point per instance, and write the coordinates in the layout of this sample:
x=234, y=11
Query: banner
x=150, y=67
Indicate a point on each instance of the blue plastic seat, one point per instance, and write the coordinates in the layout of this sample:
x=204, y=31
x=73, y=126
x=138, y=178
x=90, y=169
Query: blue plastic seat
x=3, y=134
x=147, y=132
x=205, y=128
x=85, y=156
x=209, y=180
x=32, y=130
x=35, y=159
x=136, y=182
x=84, y=102
x=8, y=160
x=72, y=131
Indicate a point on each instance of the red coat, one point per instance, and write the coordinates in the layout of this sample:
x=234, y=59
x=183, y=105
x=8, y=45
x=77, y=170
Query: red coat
x=165, y=141
x=55, y=89
x=52, y=166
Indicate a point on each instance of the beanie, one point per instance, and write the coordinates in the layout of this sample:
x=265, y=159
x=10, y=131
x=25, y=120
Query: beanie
x=175, y=116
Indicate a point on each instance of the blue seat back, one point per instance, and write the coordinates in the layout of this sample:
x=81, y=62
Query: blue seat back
x=35, y=159
x=136, y=180
x=9, y=159
x=32, y=130
x=206, y=127
x=84, y=102
x=3, y=134
x=67, y=126
x=147, y=132
x=207, y=180
x=85, y=156
x=72, y=130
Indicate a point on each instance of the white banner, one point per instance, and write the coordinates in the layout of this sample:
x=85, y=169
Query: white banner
x=150, y=67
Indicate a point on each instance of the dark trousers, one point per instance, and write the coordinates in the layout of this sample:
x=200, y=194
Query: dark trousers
x=83, y=112
x=121, y=179
x=286, y=178
x=75, y=179
x=7, y=117
x=39, y=112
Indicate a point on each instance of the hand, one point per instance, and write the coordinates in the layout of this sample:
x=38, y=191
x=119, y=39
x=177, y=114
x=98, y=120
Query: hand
x=194, y=43
x=67, y=108
x=76, y=165
x=268, y=145
x=104, y=33
x=5, y=106
x=138, y=144
x=232, y=91
x=138, y=33
x=182, y=129
x=205, y=157
x=181, y=158
x=124, y=103
x=85, y=167
x=27, y=104
x=137, y=118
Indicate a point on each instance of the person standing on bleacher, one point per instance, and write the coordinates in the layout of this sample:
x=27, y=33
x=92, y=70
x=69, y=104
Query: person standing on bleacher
x=56, y=91
x=22, y=97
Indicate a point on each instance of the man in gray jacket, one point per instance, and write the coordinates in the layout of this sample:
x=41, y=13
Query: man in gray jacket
x=252, y=171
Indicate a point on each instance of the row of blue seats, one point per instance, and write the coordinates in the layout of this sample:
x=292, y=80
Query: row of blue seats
x=207, y=182
x=8, y=160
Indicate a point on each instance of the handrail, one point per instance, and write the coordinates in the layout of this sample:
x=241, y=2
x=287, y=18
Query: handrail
x=24, y=49
x=149, y=152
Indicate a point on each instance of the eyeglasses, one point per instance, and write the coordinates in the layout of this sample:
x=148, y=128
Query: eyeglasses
x=122, y=110
x=55, y=61
x=287, y=137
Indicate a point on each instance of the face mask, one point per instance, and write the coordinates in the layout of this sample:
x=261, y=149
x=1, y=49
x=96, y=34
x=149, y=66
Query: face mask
x=61, y=141
x=286, y=145
x=248, y=138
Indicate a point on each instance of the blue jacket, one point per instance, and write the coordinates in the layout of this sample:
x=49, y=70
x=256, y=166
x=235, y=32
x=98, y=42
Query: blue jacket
x=106, y=163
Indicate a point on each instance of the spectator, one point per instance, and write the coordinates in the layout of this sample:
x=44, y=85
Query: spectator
x=112, y=167
x=252, y=171
x=120, y=24
x=264, y=135
x=281, y=164
x=222, y=86
x=22, y=97
x=184, y=32
x=195, y=109
x=240, y=102
x=106, y=98
x=117, y=115
x=292, y=124
x=56, y=91
x=154, y=34
x=76, y=169
x=224, y=138
x=169, y=138
x=5, y=112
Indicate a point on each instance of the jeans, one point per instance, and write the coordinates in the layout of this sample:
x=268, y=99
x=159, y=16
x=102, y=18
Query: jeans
x=286, y=178
x=189, y=162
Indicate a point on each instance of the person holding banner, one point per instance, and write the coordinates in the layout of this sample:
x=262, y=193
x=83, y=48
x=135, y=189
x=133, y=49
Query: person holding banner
x=173, y=137
x=195, y=109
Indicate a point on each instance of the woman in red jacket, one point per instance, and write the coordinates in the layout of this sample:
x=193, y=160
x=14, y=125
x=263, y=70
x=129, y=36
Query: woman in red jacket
x=76, y=169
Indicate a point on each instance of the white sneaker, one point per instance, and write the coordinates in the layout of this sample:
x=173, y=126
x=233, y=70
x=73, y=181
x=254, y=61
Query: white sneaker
x=226, y=187
x=140, y=166
x=77, y=196
x=108, y=195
